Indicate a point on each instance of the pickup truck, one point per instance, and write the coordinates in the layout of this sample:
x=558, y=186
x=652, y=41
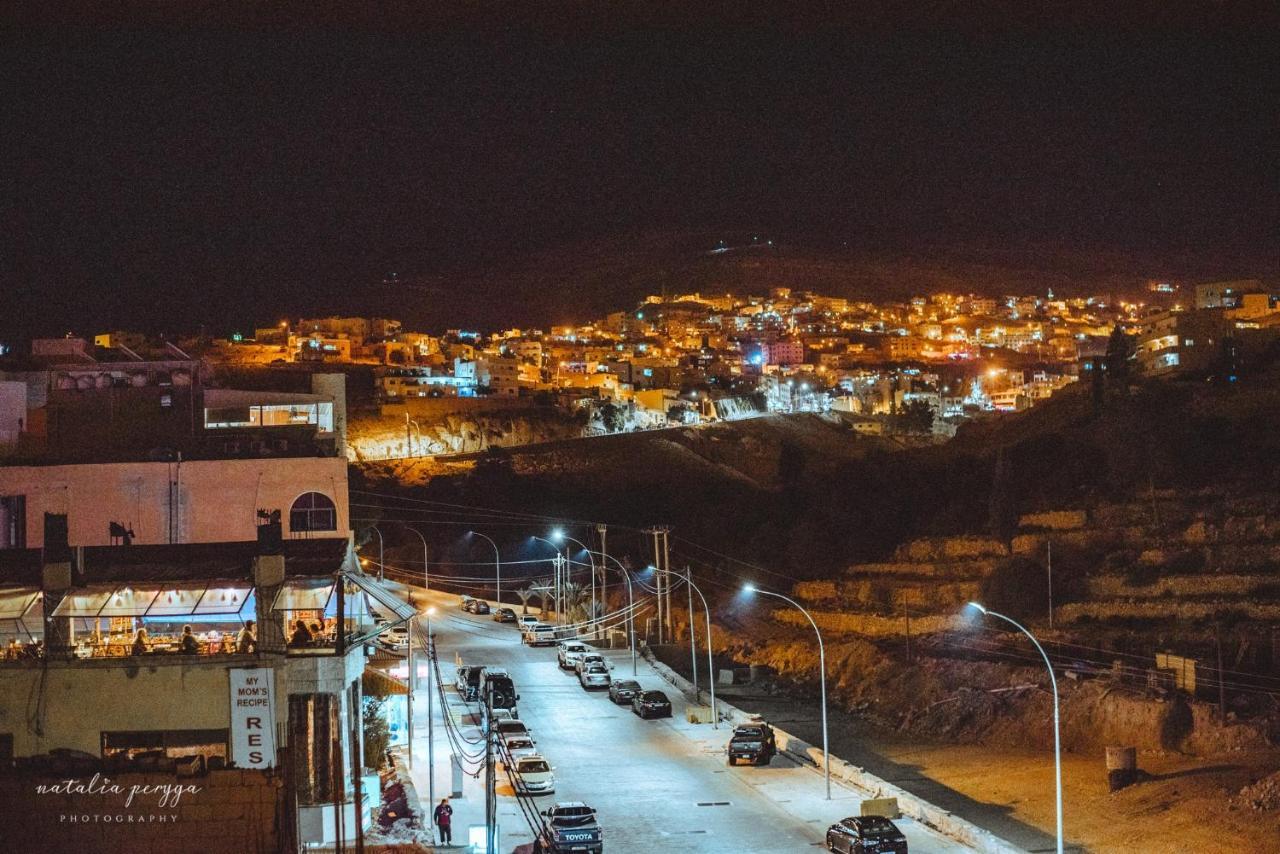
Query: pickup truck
x=753, y=742
x=570, y=826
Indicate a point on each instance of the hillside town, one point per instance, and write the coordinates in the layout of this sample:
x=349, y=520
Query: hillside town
x=920, y=367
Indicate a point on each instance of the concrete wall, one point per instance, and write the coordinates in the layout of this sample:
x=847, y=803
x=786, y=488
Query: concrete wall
x=233, y=812
x=217, y=499
x=80, y=700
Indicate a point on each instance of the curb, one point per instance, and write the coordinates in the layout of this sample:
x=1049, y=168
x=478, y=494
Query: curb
x=912, y=806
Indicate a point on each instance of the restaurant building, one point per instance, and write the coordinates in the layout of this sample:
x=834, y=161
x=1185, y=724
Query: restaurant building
x=197, y=623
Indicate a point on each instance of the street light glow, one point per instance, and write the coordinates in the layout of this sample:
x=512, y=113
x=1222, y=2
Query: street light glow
x=748, y=588
x=557, y=535
x=431, y=611
x=978, y=606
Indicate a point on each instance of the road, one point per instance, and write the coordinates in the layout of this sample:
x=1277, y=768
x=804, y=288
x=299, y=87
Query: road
x=658, y=785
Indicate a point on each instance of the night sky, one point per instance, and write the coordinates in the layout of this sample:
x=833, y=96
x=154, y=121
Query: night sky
x=168, y=174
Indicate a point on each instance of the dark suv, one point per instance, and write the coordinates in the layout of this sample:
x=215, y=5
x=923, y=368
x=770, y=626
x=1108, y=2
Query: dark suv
x=624, y=691
x=570, y=826
x=476, y=606
x=866, y=834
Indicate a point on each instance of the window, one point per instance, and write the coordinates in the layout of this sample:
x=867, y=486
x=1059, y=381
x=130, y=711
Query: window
x=13, y=521
x=313, y=511
x=171, y=744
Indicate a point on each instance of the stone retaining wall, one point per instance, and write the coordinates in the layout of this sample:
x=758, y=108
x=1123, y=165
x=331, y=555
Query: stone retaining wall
x=1119, y=587
x=950, y=548
x=871, y=625
x=1170, y=609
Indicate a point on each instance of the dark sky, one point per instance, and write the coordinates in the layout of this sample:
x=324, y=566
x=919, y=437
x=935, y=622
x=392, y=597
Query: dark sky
x=170, y=173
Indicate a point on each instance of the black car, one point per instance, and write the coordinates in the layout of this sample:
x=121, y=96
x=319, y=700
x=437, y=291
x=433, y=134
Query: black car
x=651, y=704
x=753, y=742
x=504, y=615
x=866, y=834
x=624, y=691
x=476, y=606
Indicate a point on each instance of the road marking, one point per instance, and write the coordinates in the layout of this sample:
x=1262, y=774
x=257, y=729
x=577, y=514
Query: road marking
x=714, y=803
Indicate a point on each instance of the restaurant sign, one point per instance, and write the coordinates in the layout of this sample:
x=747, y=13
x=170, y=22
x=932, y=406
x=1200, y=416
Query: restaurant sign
x=253, y=717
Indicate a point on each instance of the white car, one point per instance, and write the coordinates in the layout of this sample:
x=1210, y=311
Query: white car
x=540, y=634
x=594, y=676
x=587, y=659
x=570, y=652
x=533, y=776
x=519, y=746
x=524, y=621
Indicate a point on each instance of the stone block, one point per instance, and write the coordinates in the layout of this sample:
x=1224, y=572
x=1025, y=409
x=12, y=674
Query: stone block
x=1055, y=520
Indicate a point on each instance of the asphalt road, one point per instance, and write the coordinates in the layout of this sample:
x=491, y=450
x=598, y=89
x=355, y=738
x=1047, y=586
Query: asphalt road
x=658, y=785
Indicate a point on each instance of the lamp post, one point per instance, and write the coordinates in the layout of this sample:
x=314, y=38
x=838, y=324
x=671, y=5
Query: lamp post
x=562, y=535
x=374, y=528
x=631, y=607
x=1053, y=681
x=497, y=564
x=556, y=583
x=431, y=740
x=688, y=578
x=426, y=572
x=822, y=672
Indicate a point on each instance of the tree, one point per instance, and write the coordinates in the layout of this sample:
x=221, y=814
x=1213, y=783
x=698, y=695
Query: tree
x=377, y=735
x=1119, y=351
x=917, y=417
x=524, y=594
x=612, y=418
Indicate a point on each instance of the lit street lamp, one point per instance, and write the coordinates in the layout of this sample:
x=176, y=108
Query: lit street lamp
x=711, y=676
x=631, y=605
x=497, y=563
x=822, y=672
x=1053, y=680
x=426, y=564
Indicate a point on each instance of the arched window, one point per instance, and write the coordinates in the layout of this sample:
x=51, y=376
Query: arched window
x=313, y=511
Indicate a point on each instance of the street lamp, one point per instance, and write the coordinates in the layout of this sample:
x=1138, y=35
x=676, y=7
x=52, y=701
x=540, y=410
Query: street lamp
x=426, y=571
x=497, y=563
x=558, y=535
x=431, y=741
x=711, y=676
x=631, y=606
x=374, y=528
x=822, y=673
x=1053, y=681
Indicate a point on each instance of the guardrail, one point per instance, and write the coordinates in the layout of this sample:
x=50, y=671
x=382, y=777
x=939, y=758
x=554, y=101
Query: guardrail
x=913, y=806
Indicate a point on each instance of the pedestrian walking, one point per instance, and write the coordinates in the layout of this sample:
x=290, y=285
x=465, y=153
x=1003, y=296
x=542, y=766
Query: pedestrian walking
x=444, y=820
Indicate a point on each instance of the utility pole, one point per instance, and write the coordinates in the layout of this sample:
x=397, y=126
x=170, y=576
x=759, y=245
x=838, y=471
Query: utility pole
x=657, y=564
x=431, y=735
x=602, y=529
x=408, y=705
x=1049, y=560
x=490, y=781
x=666, y=587
x=1222, y=686
x=693, y=644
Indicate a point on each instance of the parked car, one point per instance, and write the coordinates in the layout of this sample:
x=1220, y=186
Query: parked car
x=571, y=826
x=518, y=747
x=468, y=681
x=396, y=637
x=533, y=776
x=462, y=603
x=752, y=742
x=595, y=676
x=540, y=634
x=504, y=615
x=514, y=726
x=651, y=704
x=476, y=606
x=570, y=652
x=589, y=658
x=624, y=691
x=865, y=834
x=524, y=621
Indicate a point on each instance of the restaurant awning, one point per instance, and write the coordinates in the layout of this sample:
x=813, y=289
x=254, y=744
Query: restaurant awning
x=383, y=598
x=20, y=604
x=156, y=601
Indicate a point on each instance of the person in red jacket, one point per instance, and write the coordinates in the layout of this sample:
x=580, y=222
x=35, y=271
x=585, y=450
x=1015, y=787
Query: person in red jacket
x=444, y=817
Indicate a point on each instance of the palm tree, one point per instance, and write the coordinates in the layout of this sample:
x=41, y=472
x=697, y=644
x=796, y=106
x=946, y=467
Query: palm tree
x=524, y=594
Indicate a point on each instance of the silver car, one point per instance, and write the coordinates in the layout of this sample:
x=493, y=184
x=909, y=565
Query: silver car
x=587, y=659
x=595, y=676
